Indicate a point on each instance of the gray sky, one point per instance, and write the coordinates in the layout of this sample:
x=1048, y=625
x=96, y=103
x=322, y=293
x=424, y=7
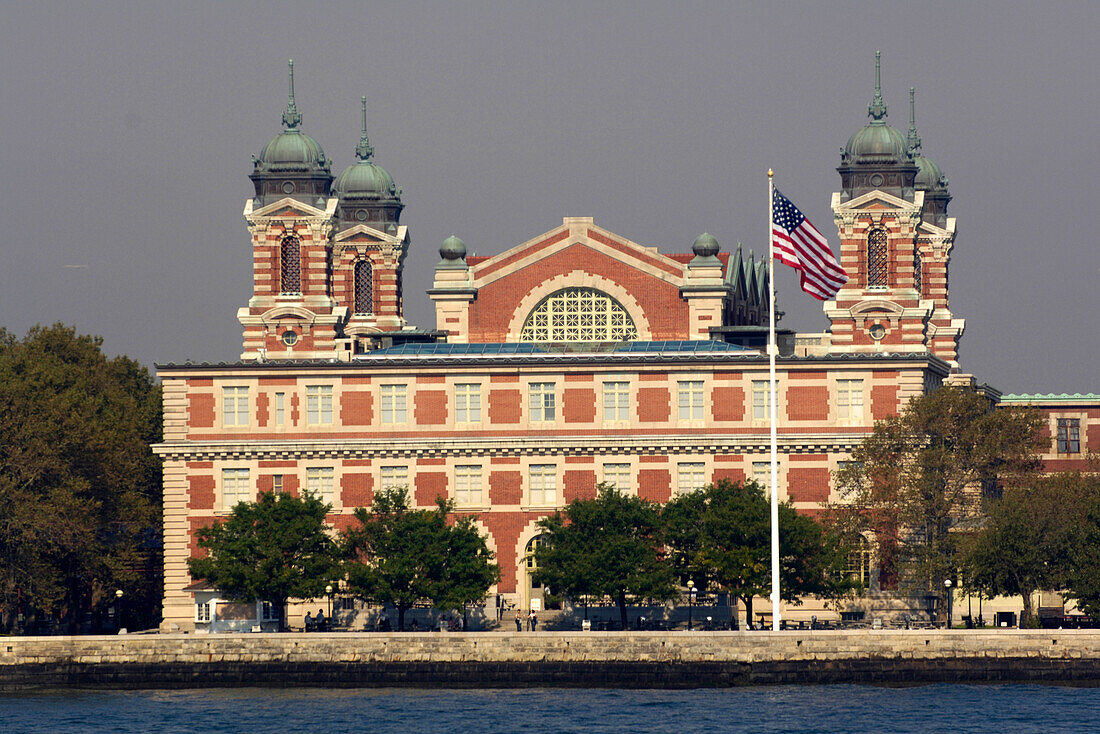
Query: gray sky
x=130, y=126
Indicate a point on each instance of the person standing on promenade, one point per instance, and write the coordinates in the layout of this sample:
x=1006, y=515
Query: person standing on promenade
x=519, y=621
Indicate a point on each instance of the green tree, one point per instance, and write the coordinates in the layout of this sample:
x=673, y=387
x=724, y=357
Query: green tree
x=1083, y=578
x=608, y=546
x=721, y=536
x=1029, y=540
x=273, y=549
x=918, y=479
x=401, y=556
x=80, y=490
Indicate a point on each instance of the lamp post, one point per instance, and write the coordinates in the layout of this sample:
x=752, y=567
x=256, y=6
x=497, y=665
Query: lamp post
x=328, y=590
x=691, y=602
x=118, y=608
x=950, y=599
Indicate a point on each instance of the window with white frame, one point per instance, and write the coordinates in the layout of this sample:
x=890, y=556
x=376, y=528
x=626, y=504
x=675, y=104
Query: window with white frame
x=542, y=401
x=616, y=401
x=761, y=400
x=268, y=612
x=280, y=409
x=617, y=476
x=319, y=405
x=320, y=481
x=543, y=484
x=849, y=399
x=690, y=476
x=1069, y=435
x=468, y=402
x=277, y=483
x=236, y=487
x=234, y=406
x=395, y=477
x=762, y=475
x=202, y=611
x=468, y=484
x=689, y=400
x=394, y=404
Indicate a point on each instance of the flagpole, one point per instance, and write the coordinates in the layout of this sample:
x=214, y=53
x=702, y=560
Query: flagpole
x=772, y=403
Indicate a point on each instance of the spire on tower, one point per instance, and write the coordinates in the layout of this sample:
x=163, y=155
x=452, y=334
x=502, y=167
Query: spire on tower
x=291, y=118
x=877, y=108
x=913, y=139
x=364, y=150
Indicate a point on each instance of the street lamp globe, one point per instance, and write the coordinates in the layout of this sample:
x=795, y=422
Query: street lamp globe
x=118, y=594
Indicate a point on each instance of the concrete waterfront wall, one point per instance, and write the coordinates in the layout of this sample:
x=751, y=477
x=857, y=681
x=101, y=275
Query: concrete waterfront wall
x=605, y=659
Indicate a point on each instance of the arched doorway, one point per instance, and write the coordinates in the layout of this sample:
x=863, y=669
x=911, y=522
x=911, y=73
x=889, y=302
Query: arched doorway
x=528, y=589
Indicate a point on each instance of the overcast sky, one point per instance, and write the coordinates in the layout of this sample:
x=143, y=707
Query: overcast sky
x=129, y=129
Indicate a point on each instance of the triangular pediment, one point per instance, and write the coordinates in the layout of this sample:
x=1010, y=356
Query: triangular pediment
x=288, y=208
x=362, y=234
x=579, y=232
x=881, y=201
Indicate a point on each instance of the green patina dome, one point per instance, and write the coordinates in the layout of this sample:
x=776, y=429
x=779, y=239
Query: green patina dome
x=705, y=246
x=929, y=175
x=452, y=249
x=877, y=143
x=292, y=151
x=363, y=179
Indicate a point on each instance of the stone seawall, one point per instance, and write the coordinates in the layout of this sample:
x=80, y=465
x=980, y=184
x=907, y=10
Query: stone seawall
x=605, y=659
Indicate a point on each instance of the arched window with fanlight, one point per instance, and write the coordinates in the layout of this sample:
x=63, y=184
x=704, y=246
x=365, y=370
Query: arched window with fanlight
x=878, y=261
x=529, y=551
x=364, y=287
x=290, y=265
x=577, y=315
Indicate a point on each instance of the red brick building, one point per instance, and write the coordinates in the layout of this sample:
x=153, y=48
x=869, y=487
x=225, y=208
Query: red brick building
x=576, y=357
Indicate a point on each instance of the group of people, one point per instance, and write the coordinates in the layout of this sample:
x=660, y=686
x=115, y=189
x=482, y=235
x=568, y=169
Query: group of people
x=318, y=623
x=532, y=621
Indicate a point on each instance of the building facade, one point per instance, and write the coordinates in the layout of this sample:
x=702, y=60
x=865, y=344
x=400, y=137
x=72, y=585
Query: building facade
x=577, y=357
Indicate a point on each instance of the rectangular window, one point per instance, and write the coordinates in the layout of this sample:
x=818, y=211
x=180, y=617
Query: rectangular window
x=542, y=401
x=616, y=401
x=280, y=409
x=689, y=477
x=395, y=477
x=468, y=485
x=202, y=612
x=689, y=400
x=267, y=612
x=1069, y=435
x=849, y=399
x=234, y=406
x=617, y=476
x=762, y=475
x=235, y=488
x=320, y=481
x=319, y=405
x=544, y=484
x=761, y=403
x=468, y=403
x=394, y=405
x=277, y=483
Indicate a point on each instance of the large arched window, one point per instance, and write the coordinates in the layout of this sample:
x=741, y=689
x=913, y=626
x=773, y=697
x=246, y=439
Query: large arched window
x=878, y=272
x=364, y=287
x=529, y=551
x=290, y=265
x=578, y=315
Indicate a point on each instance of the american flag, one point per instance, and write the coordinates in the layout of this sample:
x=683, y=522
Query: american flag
x=798, y=244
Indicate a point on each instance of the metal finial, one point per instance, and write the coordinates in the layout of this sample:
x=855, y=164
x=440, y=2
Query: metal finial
x=877, y=108
x=291, y=118
x=364, y=150
x=770, y=173
x=914, y=140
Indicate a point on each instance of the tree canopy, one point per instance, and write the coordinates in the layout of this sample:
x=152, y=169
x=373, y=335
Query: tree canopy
x=273, y=549
x=80, y=490
x=721, y=536
x=918, y=479
x=608, y=546
x=400, y=556
x=1032, y=538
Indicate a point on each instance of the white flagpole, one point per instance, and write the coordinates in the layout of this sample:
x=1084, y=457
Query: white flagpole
x=773, y=348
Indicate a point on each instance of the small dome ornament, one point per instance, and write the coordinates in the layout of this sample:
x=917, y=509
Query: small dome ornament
x=705, y=249
x=452, y=253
